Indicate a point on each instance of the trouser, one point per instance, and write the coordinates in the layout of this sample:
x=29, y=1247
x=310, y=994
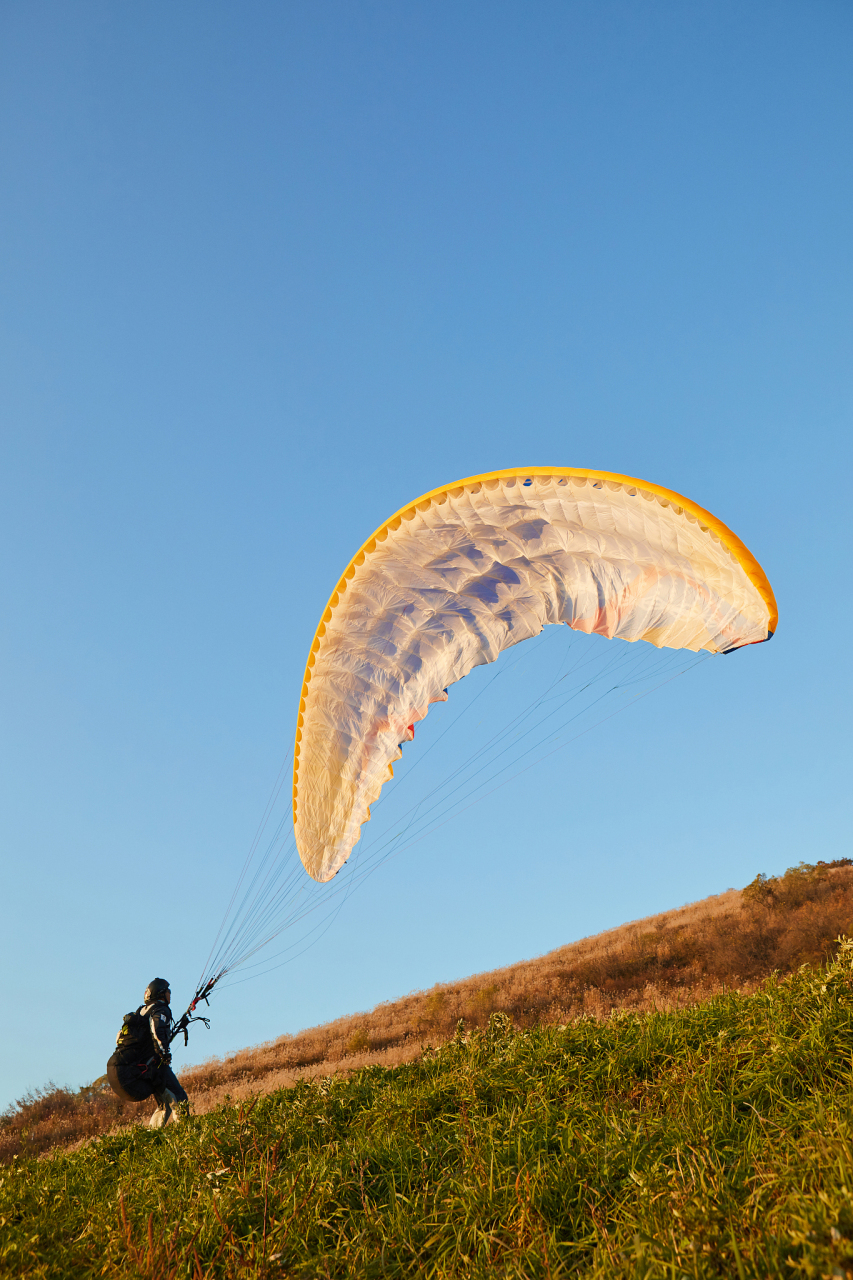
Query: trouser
x=131, y=1087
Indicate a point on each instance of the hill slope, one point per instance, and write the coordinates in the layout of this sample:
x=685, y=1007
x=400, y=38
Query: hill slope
x=709, y=1141
x=673, y=960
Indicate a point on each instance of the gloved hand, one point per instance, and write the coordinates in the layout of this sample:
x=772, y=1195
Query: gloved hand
x=165, y=1059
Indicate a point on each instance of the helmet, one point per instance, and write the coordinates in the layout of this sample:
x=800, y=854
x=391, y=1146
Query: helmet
x=156, y=989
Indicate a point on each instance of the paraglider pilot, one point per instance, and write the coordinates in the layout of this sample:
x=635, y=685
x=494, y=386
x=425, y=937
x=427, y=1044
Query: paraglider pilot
x=141, y=1065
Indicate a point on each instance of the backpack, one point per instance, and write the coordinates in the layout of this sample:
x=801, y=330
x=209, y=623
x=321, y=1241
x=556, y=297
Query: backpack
x=134, y=1033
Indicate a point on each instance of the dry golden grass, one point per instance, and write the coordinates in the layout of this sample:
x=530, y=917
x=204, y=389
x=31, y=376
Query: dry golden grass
x=677, y=958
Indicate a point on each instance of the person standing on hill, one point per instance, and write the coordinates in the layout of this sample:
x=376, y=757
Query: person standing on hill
x=141, y=1064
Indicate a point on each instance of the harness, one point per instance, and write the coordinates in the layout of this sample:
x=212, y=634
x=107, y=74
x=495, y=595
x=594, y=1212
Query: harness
x=134, y=1033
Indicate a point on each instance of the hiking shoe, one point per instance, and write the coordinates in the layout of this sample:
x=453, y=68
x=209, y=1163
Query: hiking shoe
x=160, y=1117
x=167, y=1110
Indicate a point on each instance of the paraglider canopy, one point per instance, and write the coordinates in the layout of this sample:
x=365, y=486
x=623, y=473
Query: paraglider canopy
x=466, y=571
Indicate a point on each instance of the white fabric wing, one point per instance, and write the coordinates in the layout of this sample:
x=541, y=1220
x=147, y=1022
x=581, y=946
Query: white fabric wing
x=469, y=571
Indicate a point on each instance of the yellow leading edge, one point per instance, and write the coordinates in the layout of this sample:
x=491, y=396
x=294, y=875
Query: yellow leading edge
x=463, y=572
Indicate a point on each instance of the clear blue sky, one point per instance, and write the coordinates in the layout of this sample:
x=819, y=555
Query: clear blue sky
x=269, y=271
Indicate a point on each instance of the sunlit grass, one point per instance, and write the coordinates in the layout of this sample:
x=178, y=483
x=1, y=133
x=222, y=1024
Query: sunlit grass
x=711, y=1141
x=726, y=943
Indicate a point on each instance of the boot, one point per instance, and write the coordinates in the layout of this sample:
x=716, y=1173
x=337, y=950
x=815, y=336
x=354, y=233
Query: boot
x=166, y=1111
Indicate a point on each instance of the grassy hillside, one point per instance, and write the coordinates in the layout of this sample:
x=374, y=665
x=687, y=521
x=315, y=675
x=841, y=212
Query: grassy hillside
x=729, y=942
x=715, y=1140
